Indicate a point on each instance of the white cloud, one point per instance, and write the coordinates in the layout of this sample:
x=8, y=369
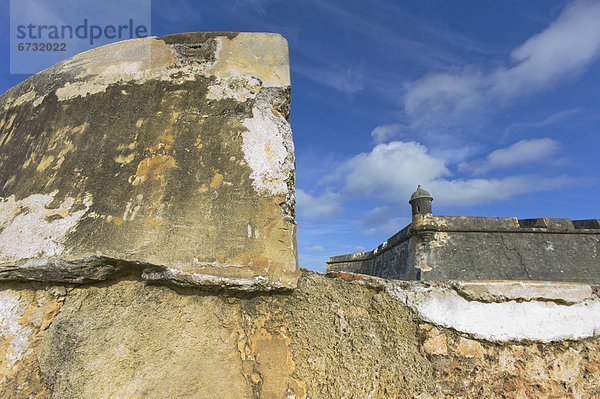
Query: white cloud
x=385, y=132
x=562, y=51
x=524, y=151
x=315, y=249
x=326, y=205
x=392, y=171
x=567, y=46
x=444, y=94
x=479, y=191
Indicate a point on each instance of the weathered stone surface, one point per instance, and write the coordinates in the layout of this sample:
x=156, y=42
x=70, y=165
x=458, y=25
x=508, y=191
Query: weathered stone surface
x=478, y=369
x=392, y=259
x=335, y=336
x=483, y=248
x=469, y=248
x=555, y=316
x=504, y=291
x=173, y=151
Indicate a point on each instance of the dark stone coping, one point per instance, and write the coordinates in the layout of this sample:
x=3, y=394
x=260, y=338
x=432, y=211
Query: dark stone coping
x=98, y=268
x=194, y=37
x=468, y=224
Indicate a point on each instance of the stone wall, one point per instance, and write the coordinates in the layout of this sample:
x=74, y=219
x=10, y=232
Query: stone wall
x=484, y=248
x=337, y=335
x=174, y=153
x=392, y=259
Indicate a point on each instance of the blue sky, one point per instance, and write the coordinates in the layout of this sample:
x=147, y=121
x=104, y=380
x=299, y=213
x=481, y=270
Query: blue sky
x=491, y=106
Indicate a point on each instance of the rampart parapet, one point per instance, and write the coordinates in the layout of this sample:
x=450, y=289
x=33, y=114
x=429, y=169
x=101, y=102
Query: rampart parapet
x=482, y=248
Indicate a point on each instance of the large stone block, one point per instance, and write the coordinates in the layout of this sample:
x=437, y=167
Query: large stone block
x=174, y=153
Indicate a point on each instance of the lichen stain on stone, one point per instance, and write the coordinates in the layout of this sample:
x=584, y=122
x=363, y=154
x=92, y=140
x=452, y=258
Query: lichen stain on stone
x=79, y=89
x=45, y=162
x=198, y=143
x=220, y=257
x=243, y=58
x=61, y=141
x=124, y=160
x=131, y=210
x=61, y=155
x=7, y=131
x=10, y=121
x=26, y=97
x=166, y=140
x=133, y=207
x=216, y=180
x=42, y=310
x=429, y=220
x=30, y=313
x=235, y=88
x=131, y=60
x=28, y=161
x=38, y=229
x=266, y=59
x=267, y=358
x=260, y=263
x=152, y=168
x=9, y=182
x=439, y=239
x=12, y=308
x=265, y=151
x=114, y=219
x=30, y=96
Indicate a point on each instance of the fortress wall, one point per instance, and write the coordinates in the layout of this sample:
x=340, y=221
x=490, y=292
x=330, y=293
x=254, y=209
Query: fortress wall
x=484, y=248
x=389, y=260
x=336, y=335
x=505, y=256
x=474, y=248
x=358, y=262
x=172, y=154
x=393, y=263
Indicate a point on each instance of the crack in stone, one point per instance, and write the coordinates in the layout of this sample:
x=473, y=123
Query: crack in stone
x=521, y=262
x=93, y=269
